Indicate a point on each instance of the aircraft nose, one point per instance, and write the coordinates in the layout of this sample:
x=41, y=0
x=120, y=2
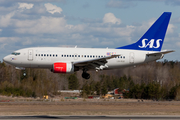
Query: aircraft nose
x=6, y=59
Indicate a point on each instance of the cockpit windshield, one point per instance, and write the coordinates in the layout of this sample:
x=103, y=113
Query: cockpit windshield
x=15, y=53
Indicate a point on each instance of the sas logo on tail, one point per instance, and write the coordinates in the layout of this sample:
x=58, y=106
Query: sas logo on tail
x=150, y=43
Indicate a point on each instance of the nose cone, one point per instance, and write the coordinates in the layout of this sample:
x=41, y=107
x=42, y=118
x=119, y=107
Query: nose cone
x=6, y=59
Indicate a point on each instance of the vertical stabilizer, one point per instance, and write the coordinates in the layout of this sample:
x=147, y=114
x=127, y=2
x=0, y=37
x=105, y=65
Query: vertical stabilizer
x=153, y=39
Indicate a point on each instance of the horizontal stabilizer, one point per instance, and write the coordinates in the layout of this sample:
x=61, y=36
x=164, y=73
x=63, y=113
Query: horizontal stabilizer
x=162, y=52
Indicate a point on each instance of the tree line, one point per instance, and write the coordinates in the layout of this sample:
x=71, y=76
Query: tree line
x=154, y=80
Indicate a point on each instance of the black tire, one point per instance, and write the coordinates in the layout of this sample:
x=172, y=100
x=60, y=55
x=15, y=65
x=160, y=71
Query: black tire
x=85, y=75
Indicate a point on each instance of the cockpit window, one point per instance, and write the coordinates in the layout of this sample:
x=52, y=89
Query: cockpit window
x=15, y=53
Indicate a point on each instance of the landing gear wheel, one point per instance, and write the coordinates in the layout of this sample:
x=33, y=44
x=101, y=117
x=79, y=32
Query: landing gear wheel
x=24, y=73
x=85, y=75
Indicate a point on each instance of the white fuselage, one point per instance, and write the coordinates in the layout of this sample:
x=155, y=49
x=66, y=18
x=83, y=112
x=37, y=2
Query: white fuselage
x=68, y=60
x=45, y=57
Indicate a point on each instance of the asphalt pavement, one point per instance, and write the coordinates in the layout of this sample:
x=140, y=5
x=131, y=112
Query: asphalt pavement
x=109, y=117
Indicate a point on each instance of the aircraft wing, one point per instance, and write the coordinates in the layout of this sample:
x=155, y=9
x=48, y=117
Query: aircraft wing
x=98, y=63
x=160, y=53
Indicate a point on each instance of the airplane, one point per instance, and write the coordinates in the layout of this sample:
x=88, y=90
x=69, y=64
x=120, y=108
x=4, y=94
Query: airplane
x=69, y=60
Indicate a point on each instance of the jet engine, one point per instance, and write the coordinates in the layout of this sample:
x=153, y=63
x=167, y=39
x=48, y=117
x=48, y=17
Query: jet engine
x=63, y=67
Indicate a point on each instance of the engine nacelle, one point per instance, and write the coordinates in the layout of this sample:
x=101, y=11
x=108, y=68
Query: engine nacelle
x=62, y=67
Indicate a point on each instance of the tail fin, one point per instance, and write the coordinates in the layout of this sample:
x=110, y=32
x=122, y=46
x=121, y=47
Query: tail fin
x=153, y=39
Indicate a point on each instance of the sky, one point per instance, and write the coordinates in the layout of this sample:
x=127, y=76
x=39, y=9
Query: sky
x=84, y=23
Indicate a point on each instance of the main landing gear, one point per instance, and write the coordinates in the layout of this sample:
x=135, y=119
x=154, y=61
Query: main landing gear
x=85, y=75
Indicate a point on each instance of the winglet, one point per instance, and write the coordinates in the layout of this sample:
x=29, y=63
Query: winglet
x=153, y=39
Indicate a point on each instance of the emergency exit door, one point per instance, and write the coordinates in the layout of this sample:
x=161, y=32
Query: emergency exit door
x=30, y=55
x=131, y=57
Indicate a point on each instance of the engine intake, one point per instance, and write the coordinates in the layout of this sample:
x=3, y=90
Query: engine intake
x=62, y=67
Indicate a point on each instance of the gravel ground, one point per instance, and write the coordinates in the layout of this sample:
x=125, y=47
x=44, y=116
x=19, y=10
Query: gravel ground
x=88, y=107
